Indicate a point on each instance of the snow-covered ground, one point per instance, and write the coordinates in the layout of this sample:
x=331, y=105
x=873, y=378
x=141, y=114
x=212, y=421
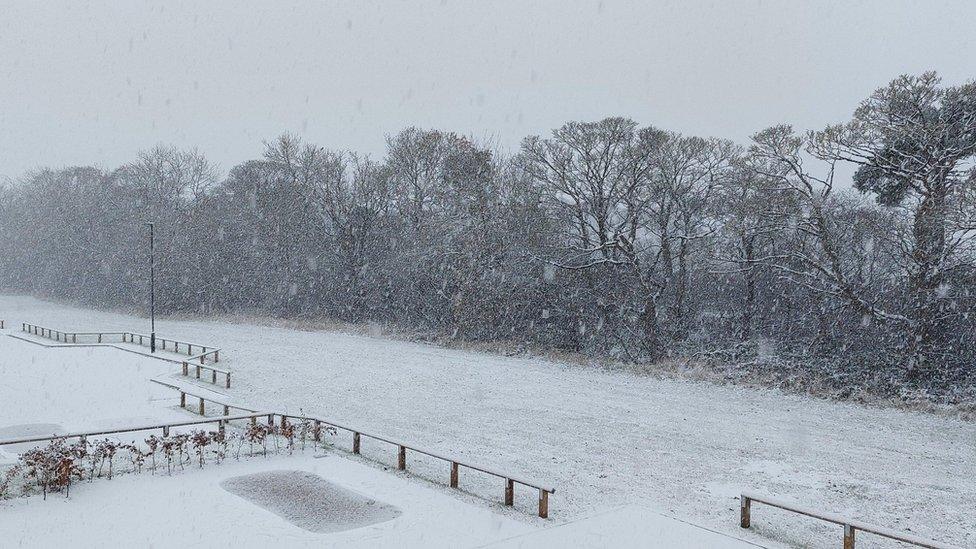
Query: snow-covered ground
x=191, y=509
x=602, y=439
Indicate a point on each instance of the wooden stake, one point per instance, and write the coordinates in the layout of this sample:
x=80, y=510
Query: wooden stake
x=355, y=443
x=454, y=474
x=848, y=536
x=402, y=458
x=509, y=492
x=745, y=505
x=543, y=504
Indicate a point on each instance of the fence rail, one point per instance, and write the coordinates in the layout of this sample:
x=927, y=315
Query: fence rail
x=357, y=434
x=402, y=447
x=850, y=526
x=144, y=340
x=202, y=408
x=106, y=338
x=220, y=420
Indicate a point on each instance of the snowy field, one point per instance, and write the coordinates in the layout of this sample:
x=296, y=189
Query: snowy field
x=602, y=439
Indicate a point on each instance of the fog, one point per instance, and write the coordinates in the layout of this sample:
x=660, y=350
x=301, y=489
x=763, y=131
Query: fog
x=84, y=83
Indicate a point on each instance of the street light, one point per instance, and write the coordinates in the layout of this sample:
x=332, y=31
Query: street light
x=152, y=291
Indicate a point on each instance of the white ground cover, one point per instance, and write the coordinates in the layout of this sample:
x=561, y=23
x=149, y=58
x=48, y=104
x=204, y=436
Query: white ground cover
x=190, y=509
x=76, y=390
x=602, y=439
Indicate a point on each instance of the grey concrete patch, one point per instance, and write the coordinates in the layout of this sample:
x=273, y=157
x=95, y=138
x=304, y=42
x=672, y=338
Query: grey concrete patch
x=309, y=501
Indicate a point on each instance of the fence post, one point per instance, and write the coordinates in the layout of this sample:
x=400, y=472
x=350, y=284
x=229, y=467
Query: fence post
x=848, y=536
x=509, y=492
x=745, y=505
x=214, y=377
x=198, y=372
x=182, y=400
x=228, y=380
x=165, y=431
x=217, y=355
x=226, y=410
x=454, y=474
x=203, y=410
x=317, y=431
x=402, y=458
x=201, y=356
x=543, y=503
x=355, y=443
x=186, y=369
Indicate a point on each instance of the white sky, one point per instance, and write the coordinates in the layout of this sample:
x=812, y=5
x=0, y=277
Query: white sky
x=94, y=83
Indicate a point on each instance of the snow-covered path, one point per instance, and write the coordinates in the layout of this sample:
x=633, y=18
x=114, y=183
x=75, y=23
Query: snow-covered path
x=603, y=439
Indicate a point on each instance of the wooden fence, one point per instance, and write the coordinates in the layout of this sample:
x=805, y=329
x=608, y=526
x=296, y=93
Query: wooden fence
x=107, y=338
x=104, y=338
x=402, y=448
x=221, y=421
x=850, y=526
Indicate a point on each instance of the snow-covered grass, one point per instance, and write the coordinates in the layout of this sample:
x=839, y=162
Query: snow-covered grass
x=601, y=438
x=190, y=509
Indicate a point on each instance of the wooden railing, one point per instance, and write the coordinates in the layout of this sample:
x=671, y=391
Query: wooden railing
x=202, y=408
x=850, y=526
x=68, y=337
x=106, y=338
x=205, y=351
x=221, y=421
x=402, y=447
x=357, y=434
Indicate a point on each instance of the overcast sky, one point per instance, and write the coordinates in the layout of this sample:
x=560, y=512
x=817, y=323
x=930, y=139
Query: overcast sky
x=94, y=83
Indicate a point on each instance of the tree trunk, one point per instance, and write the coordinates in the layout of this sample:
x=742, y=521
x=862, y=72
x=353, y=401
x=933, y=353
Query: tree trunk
x=749, y=307
x=929, y=231
x=651, y=330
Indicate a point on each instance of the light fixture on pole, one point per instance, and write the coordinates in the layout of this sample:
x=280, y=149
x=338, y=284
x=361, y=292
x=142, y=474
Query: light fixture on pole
x=152, y=291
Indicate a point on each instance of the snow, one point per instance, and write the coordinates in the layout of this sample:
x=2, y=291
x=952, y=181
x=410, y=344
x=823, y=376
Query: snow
x=190, y=509
x=41, y=385
x=624, y=526
x=602, y=438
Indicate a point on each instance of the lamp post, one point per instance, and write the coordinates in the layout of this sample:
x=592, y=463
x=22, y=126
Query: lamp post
x=152, y=291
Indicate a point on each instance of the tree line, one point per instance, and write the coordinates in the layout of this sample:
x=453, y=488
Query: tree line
x=604, y=238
